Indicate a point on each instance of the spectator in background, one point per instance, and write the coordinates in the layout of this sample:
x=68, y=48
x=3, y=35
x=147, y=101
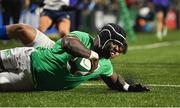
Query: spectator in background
x=54, y=12
x=161, y=8
x=145, y=19
x=86, y=8
x=30, y=14
x=11, y=9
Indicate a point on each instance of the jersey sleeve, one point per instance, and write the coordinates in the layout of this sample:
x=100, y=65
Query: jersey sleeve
x=106, y=68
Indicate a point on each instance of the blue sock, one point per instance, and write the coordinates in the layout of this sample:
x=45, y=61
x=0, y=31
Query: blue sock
x=3, y=34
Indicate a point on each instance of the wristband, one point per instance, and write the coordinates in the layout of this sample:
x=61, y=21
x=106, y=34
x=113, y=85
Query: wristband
x=126, y=86
x=94, y=55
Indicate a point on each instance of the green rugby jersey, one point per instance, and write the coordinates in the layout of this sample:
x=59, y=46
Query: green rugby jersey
x=49, y=70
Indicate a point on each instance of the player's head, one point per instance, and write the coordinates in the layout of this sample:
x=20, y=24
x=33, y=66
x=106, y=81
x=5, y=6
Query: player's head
x=112, y=40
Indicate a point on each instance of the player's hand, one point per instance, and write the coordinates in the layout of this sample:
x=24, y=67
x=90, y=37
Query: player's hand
x=94, y=58
x=94, y=65
x=138, y=88
x=73, y=68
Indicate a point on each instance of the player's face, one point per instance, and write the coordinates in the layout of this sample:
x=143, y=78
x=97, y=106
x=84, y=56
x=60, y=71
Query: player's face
x=112, y=49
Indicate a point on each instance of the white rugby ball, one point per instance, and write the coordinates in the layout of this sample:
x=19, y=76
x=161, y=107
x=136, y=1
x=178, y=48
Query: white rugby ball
x=82, y=65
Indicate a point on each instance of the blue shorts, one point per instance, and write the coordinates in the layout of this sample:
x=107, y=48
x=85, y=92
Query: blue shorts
x=164, y=9
x=56, y=16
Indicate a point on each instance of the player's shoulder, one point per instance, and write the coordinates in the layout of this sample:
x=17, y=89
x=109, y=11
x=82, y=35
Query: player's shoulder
x=80, y=34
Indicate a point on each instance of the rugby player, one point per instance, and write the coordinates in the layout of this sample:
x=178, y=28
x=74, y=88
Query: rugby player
x=42, y=66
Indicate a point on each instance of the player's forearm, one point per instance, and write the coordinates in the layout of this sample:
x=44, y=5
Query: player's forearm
x=115, y=82
x=120, y=84
x=74, y=47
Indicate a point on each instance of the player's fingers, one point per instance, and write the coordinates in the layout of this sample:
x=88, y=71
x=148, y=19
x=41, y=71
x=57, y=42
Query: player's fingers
x=143, y=88
x=146, y=89
x=94, y=64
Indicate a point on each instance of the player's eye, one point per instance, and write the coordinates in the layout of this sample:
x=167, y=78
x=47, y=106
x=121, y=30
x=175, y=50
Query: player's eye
x=119, y=47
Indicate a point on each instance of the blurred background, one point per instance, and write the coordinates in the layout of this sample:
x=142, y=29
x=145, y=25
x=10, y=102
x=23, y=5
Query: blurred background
x=152, y=27
x=91, y=15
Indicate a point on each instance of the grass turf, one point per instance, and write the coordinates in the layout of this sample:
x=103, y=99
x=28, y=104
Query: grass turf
x=148, y=66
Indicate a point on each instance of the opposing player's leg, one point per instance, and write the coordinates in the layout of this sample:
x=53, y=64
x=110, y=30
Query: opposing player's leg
x=64, y=26
x=28, y=35
x=23, y=32
x=16, y=74
x=10, y=81
x=41, y=40
x=44, y=23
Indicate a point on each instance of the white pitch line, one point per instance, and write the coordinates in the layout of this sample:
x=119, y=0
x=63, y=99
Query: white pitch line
x=151, y=85
x=154, y=45
x=159, y=85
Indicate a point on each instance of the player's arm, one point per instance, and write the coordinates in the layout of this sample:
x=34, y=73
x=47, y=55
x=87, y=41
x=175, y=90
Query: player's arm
x=116, y=82
x=73, y=46
x=23, y=32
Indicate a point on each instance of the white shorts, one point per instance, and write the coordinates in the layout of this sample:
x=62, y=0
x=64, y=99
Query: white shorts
x=41, y=40
x=16, y=75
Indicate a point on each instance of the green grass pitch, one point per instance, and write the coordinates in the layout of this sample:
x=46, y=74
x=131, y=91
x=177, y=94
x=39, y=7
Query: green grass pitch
x=158, y=68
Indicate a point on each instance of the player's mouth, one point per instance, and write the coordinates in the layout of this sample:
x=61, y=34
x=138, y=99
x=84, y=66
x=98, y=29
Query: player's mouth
x=113, y=54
